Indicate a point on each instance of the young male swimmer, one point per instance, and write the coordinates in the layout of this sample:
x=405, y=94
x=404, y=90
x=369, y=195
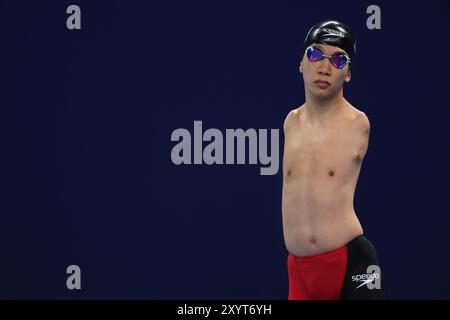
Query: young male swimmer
x=326, y=140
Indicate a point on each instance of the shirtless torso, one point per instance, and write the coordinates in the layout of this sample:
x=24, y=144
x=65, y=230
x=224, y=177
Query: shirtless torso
x=321, y=165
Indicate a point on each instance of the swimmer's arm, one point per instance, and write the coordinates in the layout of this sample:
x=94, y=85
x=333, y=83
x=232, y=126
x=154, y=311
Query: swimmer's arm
x=363, y=129
x=286, y=125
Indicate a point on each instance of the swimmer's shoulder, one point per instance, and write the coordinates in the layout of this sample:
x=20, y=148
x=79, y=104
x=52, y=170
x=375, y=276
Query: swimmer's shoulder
x=292, y=117
x=360, y=121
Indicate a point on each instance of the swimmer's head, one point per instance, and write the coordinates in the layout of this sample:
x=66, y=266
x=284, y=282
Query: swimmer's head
x=333, y=33
x=327, y=56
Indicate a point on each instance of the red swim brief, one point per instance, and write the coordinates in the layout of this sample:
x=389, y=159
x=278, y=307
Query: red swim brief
x=348, y=272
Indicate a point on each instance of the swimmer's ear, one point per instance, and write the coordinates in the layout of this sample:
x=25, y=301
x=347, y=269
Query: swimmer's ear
x=348, y=77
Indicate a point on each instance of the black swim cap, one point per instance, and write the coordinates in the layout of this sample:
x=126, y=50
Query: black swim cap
x=333, y=33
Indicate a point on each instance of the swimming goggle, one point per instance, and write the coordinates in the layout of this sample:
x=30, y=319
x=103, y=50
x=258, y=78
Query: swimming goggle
x=338, y=60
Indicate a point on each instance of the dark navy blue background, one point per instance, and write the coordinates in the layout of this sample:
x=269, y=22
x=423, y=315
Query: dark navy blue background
x=87, y=177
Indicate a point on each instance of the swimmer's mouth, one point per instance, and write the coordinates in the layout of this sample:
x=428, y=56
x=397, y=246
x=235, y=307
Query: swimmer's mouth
x=322, y=82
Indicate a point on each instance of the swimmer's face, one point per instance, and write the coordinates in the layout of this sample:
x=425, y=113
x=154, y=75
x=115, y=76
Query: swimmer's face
x=324, y=70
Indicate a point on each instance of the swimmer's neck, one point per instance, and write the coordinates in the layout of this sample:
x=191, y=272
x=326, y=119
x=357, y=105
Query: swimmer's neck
x=318, y=110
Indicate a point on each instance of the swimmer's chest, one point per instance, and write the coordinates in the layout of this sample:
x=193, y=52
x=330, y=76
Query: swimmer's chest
x=331, y=150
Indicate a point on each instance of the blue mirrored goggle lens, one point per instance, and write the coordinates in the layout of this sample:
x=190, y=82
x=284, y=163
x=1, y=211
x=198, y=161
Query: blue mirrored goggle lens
x=338, y=60
x=314, y=55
